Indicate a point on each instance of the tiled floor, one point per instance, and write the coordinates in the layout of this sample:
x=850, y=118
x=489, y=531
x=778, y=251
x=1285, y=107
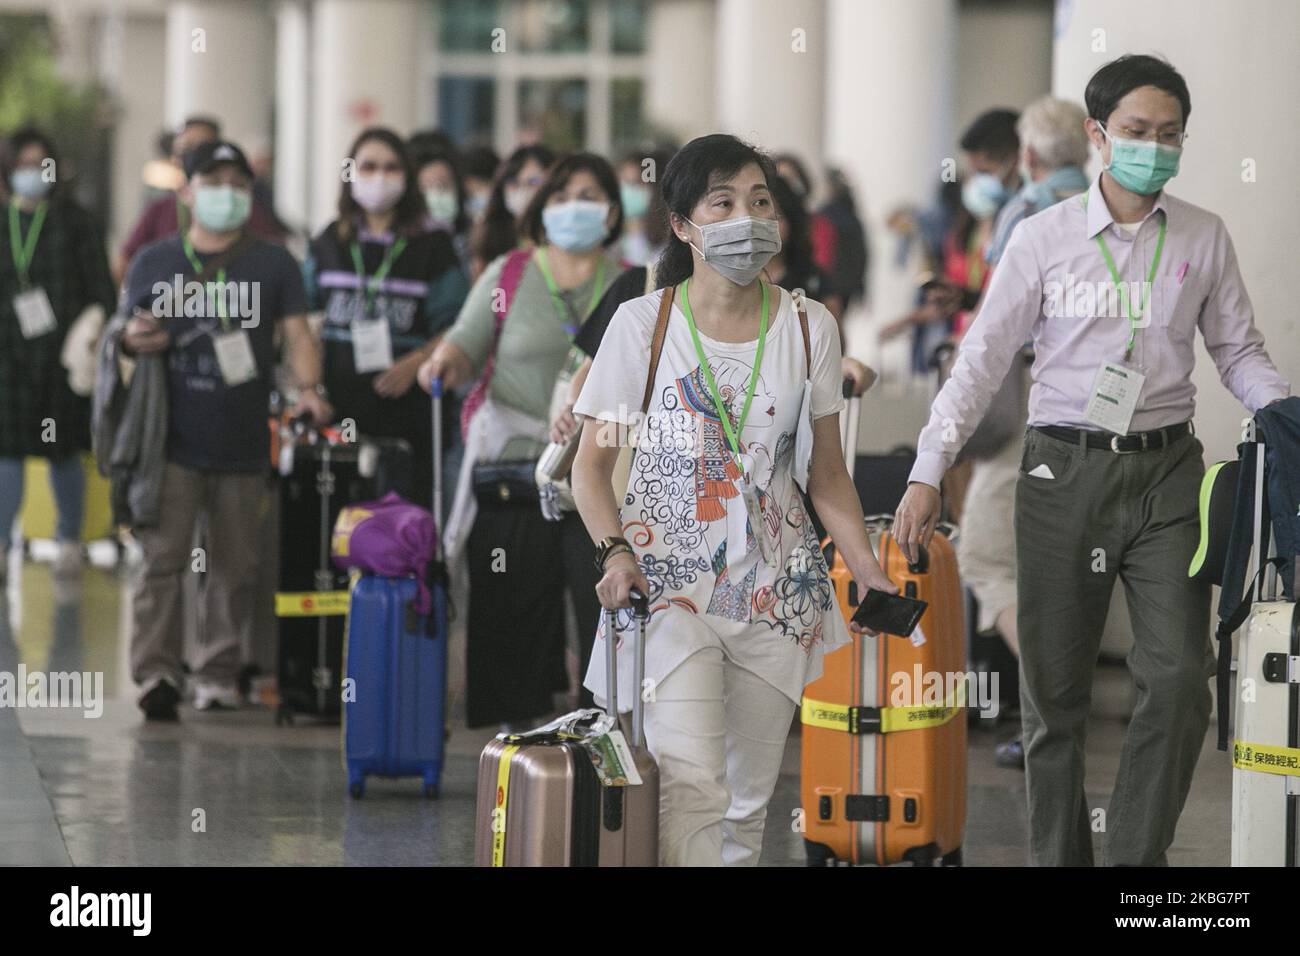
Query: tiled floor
x=234, y=788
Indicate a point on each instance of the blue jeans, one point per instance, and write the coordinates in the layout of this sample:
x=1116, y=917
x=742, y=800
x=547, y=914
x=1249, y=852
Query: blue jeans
x=67, y=481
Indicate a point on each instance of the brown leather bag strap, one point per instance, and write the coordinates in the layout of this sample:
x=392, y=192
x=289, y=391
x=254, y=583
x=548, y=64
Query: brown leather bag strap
x=807, y=343
x=657, y=344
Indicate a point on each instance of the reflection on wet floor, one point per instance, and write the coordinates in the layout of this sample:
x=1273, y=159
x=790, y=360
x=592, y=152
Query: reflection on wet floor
x=234, y=789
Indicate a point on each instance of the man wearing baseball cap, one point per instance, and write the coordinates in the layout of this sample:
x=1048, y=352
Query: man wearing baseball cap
x=169, y=215
x=210, y=300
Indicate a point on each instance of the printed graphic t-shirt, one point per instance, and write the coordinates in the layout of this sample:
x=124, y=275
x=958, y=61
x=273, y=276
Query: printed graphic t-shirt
x=774, y=621
x=212, y=426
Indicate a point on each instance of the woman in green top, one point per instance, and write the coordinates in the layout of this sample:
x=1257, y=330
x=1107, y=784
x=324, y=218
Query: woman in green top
x=520, y=564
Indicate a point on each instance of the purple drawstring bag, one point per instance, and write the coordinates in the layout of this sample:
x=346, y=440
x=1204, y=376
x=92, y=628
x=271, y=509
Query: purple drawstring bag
x=390, y=537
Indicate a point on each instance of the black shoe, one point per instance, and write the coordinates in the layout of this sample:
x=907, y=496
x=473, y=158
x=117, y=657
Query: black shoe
x=1011, y=754
x=159, y=703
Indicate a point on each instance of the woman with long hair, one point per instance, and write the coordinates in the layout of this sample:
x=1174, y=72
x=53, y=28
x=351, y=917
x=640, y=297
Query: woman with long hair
x=512, y=189
x=712, y=527
x=515, y=336
x=389, y=288
x=53, y=265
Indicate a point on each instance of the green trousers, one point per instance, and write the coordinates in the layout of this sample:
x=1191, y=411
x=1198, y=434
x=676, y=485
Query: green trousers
x=1105, y=514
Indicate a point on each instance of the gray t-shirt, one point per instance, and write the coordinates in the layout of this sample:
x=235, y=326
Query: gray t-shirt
x=534, y=340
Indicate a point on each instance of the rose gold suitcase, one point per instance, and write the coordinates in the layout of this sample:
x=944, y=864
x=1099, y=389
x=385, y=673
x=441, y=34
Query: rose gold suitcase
x=540, y=803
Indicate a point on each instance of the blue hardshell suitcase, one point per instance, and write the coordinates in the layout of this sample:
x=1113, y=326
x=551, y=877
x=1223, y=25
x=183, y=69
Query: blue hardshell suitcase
x=393, y=724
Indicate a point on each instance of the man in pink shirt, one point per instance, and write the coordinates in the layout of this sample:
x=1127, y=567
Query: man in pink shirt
x=1112, y=286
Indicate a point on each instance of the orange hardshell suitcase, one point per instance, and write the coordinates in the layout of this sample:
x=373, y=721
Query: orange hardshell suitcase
x=883, y=779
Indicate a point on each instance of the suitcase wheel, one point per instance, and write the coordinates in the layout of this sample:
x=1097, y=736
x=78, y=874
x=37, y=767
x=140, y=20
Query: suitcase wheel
x=953, y=858
x=358, y=789
x=819, y=854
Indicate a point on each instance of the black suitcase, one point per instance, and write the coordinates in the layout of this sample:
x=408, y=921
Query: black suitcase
x=319, y=476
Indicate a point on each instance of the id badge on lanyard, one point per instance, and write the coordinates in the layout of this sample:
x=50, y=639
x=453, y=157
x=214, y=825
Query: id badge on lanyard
x=35, y=314
x=1118, y=384
x=372, y=345
x=234, y=357
x=746, y=508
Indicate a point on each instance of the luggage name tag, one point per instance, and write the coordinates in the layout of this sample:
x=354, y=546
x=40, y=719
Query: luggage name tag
x=234, y=357
x=612, y=758
x=1114, y=396
x=35, y=314
x=917, y=637
x=372, y=346
x=803, y=438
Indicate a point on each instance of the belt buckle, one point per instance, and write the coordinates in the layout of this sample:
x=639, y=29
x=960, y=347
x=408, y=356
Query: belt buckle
x=1114, y=445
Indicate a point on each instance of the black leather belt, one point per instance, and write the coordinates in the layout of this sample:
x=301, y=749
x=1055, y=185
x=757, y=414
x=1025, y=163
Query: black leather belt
x=1120, y=444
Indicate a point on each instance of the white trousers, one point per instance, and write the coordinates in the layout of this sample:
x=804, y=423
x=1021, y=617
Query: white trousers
x=718, y=733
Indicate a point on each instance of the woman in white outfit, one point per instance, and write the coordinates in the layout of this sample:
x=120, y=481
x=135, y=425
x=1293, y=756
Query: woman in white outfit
x=712, y=526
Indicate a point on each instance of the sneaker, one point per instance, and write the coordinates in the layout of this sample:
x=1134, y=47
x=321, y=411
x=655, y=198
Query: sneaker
x=1011, y=754
x=69, y=561
x=216, y=697
x=160, y=700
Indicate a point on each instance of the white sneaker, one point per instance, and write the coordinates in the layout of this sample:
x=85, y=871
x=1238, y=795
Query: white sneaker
x=69, y=561
x=216, y=697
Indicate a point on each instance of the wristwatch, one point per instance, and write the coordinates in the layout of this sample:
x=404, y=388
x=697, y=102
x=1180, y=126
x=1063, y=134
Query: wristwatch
x=608, y=546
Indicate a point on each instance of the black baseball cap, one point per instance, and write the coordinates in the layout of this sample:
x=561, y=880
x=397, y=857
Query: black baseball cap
x=206, y=157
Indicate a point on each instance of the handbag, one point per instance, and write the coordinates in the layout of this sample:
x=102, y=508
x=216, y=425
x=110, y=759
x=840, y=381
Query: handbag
x=499, y=485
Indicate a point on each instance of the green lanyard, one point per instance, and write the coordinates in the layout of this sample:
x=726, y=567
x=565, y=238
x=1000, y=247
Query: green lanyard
x=372, y=287
x=1119, y=285
x=708, y=372
x=24, y=249
x=220, y=278
x=561, y=309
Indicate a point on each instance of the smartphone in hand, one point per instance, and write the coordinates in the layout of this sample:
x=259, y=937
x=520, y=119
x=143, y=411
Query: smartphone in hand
x=889, y=613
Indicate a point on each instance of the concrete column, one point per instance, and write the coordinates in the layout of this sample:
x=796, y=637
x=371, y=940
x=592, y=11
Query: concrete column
x=771, y=59
x=293, y=72
x=890, y=78
x=680, y=81
x=365, y=67
x=1238, y=160
x=220, y=60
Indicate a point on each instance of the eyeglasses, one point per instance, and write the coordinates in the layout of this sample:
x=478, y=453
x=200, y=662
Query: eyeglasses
x=1163, y=137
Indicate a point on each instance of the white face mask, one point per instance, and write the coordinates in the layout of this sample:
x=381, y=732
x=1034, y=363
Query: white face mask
x=517, y=199
x=738, y=249
x=378, y=192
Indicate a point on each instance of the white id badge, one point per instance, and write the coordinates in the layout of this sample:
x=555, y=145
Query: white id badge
x=235, y=357
x=754, y=511
x=35, y=314
x=803, y=438
x=1114, y=396
x=372, y=346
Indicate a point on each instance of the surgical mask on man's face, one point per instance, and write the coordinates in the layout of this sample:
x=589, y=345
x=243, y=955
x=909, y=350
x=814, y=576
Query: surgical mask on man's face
x=29, y=183
x=222, y=208
x=983, y=195
x=738, y=249
x=1140, y=166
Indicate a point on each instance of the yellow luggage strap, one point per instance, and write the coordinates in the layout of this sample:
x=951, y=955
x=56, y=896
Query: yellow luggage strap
x=1265, y=758
x=881, y=720
x=498, y=819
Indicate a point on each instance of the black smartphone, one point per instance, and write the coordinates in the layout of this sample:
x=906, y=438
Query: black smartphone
x=889, y=613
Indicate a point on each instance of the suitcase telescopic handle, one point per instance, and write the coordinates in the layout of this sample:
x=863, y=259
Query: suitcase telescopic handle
x=641, y=611
x=435, y=390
